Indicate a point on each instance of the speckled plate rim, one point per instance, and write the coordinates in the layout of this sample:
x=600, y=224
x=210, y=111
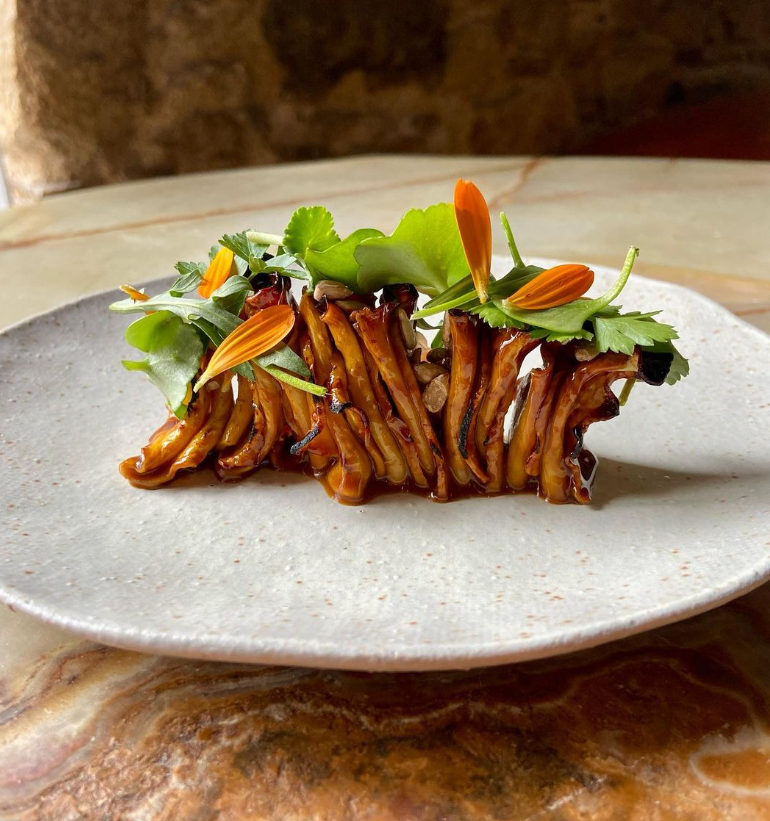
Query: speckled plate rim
x=404, y=657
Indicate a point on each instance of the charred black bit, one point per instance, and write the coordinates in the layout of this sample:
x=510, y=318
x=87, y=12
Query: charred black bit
x=654, y=366
x=405, y=296
x=577, y=432
x=464, y=428
x=303, y=443
x=339, y=407
x=522, y=391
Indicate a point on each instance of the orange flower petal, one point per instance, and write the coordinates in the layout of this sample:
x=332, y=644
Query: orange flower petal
x=218, y=271
x=475, y=228
x=137, y=296
x=556, y=286
x=253, y=337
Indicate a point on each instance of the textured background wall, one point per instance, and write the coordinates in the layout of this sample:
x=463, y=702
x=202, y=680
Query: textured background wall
x=103, y=90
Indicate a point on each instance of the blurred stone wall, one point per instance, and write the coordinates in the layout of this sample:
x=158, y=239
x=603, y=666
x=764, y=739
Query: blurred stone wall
x=95, y=91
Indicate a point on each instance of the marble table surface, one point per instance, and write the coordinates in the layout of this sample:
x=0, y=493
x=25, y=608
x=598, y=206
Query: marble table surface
x=671, y=724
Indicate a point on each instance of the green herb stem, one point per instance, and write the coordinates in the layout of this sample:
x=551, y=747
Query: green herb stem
x=517, y=260
x=260, y=238
x=445, y=306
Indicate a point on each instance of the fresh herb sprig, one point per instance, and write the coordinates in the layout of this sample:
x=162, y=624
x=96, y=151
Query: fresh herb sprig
x=178, y=327
x=425, y=250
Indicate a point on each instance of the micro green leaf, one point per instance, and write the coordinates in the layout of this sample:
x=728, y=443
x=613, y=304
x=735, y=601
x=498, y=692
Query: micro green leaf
x=310, y=228
x=217, y=323
x=338, y=261
x=232, y=293
x=190, y=276
x=424, y=251
x=242, y=246
x=282, y=356
x=286, y=264
x=174, y=352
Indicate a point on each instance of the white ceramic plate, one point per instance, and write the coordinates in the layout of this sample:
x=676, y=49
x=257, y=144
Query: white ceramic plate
x=270, y=570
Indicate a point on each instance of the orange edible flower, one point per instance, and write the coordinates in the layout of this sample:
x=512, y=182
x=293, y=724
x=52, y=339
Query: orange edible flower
x=475, y=228
x=218, y=271
x=137, y=296
x=253, y=337
x=556, y=286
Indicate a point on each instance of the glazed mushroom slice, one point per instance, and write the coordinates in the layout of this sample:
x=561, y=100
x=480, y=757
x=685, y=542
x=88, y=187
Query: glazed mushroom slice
x=495, y=444
x=510, y=346
x=355, y=417
x=171, y=438
x=362, y=393
x=585, y=397
x=347, y=478
x=240, y=418
x=531, y=416
x=248, y=453
x=467, y=437
x=320, y=446
x=375, y=328
x=218, y=402
x=464, y=334
x=441, y=489
x=397, y=427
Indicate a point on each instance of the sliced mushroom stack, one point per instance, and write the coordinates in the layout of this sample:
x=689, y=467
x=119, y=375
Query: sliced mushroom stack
x=399, y=413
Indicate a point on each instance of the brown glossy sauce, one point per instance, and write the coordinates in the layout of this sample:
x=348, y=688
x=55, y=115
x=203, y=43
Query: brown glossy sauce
x=284, y=463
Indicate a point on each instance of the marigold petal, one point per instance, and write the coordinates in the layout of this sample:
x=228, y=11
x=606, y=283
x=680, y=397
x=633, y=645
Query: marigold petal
x=475, y=229
x=137, y=296
x=218, y=271
x=251, y=338
x=556, y=286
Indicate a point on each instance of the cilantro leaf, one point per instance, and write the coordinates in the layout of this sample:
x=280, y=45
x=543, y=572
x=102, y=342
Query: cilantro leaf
x=491, y=314
x=232, y=293
x=310, y=228
x=174, y=350
x=424, y=251
x=624, y=332
x=338, y=261
x=190, y=276
x=680, y=367
x=556, y=336
x=285, y=264
x=242, y=246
